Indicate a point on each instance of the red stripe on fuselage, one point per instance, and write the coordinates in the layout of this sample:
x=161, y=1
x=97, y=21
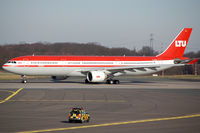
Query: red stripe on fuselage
x=91, y=58
x=62, y=65
x=87, y=58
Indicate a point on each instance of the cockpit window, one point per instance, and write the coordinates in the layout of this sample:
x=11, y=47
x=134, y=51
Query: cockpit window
x=12, y=62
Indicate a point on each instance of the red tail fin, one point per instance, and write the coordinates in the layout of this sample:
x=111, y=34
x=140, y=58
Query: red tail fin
x=177, y=47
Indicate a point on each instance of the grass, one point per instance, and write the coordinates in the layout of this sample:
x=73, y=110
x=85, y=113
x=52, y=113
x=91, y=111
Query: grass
x=186, y=77
x=191, y=77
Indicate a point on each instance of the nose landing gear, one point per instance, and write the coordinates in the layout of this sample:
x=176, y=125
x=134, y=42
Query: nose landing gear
x=24, y=79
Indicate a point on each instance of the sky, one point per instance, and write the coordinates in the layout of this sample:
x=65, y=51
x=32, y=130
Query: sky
x=111, y=23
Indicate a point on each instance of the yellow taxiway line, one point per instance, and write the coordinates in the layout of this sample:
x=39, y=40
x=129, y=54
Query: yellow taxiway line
x=114, y=124
x=13, y=94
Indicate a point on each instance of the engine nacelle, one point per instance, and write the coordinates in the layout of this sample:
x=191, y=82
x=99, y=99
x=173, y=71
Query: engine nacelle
x=59, y=77
x=96, y=76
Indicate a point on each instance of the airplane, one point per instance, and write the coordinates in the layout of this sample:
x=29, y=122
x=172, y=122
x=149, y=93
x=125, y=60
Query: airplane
x=102, y=68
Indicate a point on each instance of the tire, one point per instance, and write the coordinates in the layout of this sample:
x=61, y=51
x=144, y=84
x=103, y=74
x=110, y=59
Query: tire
x=81, y=121
x=86, y=81
x=88, y=120
x=111, y=81
x=116, y=82
x=24, y=81
x=108, y=81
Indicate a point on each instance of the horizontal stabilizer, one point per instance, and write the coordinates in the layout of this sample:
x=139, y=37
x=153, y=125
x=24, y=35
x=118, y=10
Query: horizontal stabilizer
x=193, y=61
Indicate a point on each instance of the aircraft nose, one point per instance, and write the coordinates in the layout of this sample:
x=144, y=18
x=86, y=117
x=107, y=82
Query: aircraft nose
x=4, y=66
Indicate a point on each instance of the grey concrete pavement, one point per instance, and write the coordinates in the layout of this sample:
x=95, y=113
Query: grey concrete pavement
x=45, y=105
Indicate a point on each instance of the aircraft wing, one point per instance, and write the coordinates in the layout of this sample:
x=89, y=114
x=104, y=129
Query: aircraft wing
x=121, y=69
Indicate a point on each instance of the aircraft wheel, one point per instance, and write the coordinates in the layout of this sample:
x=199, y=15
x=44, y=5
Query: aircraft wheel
x=110, y=81
x=88, y=119
x=116, y=82
x=86, y=81
x=81, y=121
x=24, y=81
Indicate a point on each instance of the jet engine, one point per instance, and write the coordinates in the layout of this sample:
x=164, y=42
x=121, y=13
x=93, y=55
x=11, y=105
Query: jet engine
x=59, y=77
x=96, y=76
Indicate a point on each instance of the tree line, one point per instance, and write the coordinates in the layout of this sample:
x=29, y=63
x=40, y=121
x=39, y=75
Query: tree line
x=10, y=51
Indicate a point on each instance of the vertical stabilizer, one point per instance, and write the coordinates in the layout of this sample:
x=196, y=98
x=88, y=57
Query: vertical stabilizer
x=177, y=47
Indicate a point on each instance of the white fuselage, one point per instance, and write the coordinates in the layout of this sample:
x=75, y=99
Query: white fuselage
x=75, y=68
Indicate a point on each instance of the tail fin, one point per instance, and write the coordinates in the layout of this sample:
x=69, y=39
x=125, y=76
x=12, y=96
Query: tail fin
x=177, y=47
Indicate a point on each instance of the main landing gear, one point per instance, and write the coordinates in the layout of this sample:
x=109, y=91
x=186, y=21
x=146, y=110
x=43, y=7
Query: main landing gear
x=24, y=79
x=111, y=81
x=86, y=81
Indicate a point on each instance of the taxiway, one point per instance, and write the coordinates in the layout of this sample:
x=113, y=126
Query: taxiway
x=147, y=105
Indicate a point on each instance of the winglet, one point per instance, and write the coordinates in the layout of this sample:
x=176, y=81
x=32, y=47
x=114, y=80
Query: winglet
x=177, y=47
